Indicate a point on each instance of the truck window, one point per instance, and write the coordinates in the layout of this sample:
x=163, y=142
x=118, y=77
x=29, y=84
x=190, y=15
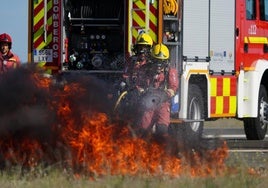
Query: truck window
x=264, y=10
x=251, y=9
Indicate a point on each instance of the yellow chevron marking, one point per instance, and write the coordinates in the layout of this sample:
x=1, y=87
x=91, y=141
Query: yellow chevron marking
x=39, y=16
x=138, y=19
x=40, y=31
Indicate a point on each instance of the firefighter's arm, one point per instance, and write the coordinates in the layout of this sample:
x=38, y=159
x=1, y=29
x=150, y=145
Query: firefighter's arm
x=173, y=82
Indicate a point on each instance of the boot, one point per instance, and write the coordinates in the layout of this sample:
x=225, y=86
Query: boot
x=160, y=133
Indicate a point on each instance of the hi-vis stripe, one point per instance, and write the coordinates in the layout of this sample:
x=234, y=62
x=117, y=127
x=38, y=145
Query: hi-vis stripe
x=139, y=12
x=40, y=26
x=256, y=40
x=223, y=96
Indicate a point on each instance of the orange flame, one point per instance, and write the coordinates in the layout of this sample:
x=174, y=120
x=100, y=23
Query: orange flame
x=99, y=147
x=101, y=152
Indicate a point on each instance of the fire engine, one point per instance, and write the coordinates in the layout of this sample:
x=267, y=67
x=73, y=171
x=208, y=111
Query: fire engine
x=220, y=49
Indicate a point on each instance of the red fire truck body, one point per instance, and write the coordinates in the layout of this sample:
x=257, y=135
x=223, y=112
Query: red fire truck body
x=219, y=47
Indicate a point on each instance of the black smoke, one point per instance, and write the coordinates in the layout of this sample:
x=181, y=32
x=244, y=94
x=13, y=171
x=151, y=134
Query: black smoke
x=24, y=104
x=29, y=110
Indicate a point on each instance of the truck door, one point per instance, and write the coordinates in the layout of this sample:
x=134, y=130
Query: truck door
x=264, y=24
x=250, y=36
x=195, y=30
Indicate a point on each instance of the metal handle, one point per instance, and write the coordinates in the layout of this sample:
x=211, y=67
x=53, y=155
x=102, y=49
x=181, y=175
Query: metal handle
x=45, y=21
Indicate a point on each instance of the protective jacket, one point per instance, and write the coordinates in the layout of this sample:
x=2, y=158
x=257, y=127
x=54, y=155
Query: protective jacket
x=132, y=68
x=8, y=61
x=161, y=83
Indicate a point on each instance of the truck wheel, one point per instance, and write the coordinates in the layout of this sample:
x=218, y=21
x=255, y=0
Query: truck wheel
x=195, y=112
x=255, y=128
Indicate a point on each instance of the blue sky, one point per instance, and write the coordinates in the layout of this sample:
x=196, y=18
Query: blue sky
x=14, y=21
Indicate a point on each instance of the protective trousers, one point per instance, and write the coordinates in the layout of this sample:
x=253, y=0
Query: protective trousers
x=158, y=116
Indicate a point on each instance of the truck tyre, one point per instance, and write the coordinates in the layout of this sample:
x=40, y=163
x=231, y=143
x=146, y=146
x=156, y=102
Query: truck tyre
x=195, y=112
x=255, y=128
x=189, y=134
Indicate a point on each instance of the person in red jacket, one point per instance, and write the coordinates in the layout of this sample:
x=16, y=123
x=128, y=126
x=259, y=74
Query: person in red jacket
x=142, y=52
x=158, y=82
x=126, y=102
x=8, y=60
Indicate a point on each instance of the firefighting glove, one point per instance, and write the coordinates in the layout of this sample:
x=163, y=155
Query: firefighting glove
x=141, y=90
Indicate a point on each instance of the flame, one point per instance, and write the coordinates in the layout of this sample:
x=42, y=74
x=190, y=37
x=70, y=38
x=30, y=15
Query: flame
x=26, y=152
x=97, y=146
x=101, y=152
x=41, y=81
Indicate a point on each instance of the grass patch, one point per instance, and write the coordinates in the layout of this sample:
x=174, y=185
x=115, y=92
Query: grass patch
x=239, y=175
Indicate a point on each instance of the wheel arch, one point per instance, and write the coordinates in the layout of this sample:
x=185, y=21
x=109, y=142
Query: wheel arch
x=248, y=89
x=264, y=80
x=202, y=82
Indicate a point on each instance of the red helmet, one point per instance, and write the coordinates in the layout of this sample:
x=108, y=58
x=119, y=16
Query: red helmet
x=6, y=38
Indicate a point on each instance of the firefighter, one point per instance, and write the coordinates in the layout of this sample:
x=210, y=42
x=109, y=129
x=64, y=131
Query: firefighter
x=142, y=52
x=142, y=49
x=157, y=81
x=127, y=85
x=8, y=60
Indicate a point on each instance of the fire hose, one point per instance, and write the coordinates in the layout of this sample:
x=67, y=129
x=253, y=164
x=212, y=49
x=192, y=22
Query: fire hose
x=123, y=94
x=148, y=100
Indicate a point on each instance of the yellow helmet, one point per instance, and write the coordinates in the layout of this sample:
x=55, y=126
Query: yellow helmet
x=160, y=51
x=144, y=39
